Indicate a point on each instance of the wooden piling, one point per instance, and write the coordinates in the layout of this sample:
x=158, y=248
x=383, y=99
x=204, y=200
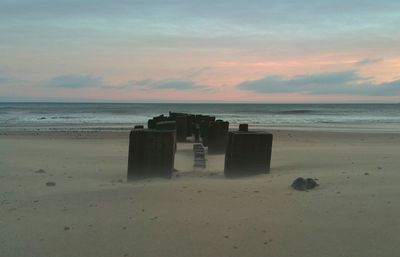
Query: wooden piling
x=248, y=153
x=166, y=125
x=151, y=153
x=217, y=136
x=243, y=127
x=181, y=128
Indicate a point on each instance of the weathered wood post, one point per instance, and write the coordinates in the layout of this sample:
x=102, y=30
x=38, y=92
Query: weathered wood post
x=244, y=127
x=168, y=126
x=190, y=124
x=184, y=123
x=199, y=118
x=151, y=124
x=196, y=129
x=204, y=131
x=217, y=136
x=248, y=153
x=151, y=153
x=181, y=128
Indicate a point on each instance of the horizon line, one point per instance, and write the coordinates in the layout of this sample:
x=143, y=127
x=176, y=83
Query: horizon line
x=178, y=102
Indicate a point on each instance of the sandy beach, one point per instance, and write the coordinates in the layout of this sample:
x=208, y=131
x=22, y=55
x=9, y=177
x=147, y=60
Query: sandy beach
x=65, y=194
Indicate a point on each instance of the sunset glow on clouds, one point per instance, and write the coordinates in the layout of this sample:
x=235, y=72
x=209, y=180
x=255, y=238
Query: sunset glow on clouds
x=264, y=51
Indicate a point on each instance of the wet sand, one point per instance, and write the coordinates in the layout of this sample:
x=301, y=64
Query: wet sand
x=65, y=194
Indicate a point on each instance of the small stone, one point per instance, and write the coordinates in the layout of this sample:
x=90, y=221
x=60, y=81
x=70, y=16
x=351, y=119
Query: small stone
x=302, y=184
x=311, y=183
x=299, y=184
x=66, y=228
x=366, y=173
x=40, y=171
x=50, y=184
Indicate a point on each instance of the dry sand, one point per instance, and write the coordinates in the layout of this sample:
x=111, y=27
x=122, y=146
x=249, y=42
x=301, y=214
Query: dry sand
x=90, y=210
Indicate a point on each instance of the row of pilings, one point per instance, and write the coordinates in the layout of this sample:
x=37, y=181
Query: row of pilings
x=152, y=150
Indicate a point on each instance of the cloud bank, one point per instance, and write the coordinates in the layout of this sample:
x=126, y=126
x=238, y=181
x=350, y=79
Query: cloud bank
x=173, y=84
x=80, y=81
x=344, y=82
x=74, y=81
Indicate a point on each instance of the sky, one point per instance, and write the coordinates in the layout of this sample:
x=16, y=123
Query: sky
x=268, y=51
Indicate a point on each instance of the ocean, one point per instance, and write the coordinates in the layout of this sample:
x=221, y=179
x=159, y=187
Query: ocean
x=123, y=116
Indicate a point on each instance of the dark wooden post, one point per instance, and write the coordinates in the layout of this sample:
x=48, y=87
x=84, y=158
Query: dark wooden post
x=190, y=124
x=248, y=153
x=181, y=128
x=244, y=127
x=139, y=127
x=217, y=136
x=184, y=123
x=151, y=124
x=196, y=129
x=151, y=153
x=204, y=131
x=166, y=125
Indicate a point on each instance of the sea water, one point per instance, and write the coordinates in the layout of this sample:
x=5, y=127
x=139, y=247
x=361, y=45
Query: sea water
x=123, y=116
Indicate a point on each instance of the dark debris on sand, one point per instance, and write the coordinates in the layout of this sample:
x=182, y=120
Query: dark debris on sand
x=302, y=184
x=40, y=171
x=50, y=184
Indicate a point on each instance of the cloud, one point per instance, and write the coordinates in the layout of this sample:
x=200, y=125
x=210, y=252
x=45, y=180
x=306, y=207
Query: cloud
x=78, y=81
x=179, y=85
x=74, y=81
x=344, y=82
x=367, y=61
x=149, y=84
